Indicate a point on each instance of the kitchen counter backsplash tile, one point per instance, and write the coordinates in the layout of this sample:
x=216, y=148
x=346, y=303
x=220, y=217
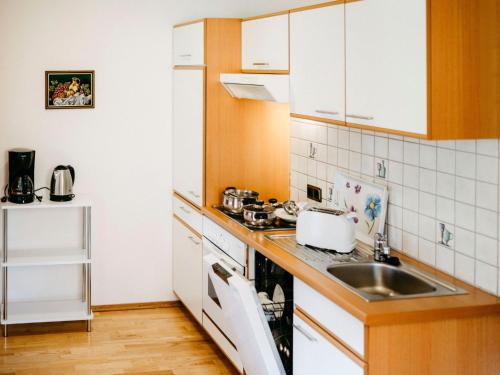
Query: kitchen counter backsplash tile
x=444, y=196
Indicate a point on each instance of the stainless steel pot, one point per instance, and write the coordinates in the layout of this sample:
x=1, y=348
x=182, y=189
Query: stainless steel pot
x=234, y=199
x=259, y=214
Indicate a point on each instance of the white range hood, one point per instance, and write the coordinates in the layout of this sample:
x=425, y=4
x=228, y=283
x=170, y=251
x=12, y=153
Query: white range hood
x=268, y=87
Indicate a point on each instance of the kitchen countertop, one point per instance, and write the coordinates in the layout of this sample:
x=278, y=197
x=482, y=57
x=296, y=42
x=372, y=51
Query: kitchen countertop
x=475, y=303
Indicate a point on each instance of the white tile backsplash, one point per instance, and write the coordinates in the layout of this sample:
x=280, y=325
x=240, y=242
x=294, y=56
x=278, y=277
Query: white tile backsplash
x=487, y=250
x=465, y=164
x=465, y=190
x=487, y=169
x=411, y=153
x=381, y=147
x=444, y=196
x=368, y=144
x=395, y=150
x=428, y=157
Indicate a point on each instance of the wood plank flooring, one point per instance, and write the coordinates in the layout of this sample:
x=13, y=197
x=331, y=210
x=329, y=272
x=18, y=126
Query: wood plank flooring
x=164, y=341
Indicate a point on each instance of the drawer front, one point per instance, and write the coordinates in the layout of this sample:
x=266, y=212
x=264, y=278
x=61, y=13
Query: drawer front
x=222, y=342
x=224, y=240
x=188, y=214
x=332, y=317
x=314, y=354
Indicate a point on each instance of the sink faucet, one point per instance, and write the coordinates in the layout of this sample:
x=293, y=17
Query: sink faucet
x=382, y=251
x=380, y=247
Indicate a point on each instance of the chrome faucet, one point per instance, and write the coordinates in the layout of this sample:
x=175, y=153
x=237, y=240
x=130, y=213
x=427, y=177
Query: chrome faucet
x=382, y=251
x=379, y=246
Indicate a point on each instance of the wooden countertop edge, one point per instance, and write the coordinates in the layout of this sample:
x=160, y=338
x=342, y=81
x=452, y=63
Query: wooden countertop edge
x=476, y=303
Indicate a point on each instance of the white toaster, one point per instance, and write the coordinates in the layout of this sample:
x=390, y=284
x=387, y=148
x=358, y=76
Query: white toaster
x=326, y=229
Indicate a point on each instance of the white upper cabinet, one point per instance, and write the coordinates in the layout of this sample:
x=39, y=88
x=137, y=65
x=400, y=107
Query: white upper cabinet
x=386, y=69
x=317, y=69
x=188, y=108
x=265, y=43
x=189, y=44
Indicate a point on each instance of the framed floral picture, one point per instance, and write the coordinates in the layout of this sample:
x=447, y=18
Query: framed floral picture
x=69, y=89
x=368, y=201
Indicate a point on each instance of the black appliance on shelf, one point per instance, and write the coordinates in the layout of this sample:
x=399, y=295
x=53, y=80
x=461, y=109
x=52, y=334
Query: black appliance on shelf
x=279, y=314
x=21, y=176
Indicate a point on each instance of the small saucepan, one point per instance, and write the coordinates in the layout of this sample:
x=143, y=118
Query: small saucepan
x=259, y=214
x=234, y=199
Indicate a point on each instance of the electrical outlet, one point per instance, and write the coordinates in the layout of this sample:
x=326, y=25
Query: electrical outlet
x=314, y=193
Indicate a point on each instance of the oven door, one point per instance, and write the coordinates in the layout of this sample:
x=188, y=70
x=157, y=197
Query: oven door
x=245, y=318
x=211, y=302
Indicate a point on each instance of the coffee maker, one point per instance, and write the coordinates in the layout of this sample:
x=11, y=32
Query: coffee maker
x=21, y=175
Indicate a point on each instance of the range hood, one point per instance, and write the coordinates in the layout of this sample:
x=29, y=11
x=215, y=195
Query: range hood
x=268, y=87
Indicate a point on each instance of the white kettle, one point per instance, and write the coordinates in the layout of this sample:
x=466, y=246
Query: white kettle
x=327, y=229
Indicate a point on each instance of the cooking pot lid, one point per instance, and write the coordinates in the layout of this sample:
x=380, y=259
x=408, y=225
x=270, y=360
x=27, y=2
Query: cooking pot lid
x=259, y=206
x=240, y=193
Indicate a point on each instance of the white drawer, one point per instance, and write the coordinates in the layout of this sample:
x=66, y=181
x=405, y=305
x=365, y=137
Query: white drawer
x=333, y=318
x=222, y=342
x=188, y=214
x=225, y=241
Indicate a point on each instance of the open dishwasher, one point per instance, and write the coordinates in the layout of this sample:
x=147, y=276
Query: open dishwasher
x=258, y=309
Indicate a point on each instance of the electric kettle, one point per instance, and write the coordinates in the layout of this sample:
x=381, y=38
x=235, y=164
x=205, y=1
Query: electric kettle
x=61, y=184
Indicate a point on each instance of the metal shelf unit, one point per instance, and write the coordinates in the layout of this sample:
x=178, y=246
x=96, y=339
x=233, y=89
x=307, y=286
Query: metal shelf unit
x=47, y=311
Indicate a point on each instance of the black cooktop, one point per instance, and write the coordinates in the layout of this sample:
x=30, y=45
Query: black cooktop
x=277, y=224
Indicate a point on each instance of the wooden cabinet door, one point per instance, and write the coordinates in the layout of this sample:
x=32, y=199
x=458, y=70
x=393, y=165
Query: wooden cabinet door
x=188, y=119
x=314, y=354
x=187, y=258
x=189, y=44
x=386, y=65
x=265, y=44
x=317, y=69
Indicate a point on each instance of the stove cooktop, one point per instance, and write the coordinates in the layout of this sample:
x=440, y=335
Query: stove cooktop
x=277, y=225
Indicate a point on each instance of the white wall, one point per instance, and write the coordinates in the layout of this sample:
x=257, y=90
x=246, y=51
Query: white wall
x=120, y=149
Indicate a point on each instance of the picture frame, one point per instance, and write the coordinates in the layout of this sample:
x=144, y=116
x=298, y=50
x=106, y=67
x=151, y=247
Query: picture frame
x=69, y=89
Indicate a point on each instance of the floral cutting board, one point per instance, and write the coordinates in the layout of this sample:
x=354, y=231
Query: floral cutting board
x=367, y=200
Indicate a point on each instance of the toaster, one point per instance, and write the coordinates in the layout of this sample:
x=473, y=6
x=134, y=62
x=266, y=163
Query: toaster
x=326, y=229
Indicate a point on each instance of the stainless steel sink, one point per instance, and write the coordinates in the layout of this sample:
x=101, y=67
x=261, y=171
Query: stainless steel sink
x=372, y=281
x=381, y=279
x=378, y=281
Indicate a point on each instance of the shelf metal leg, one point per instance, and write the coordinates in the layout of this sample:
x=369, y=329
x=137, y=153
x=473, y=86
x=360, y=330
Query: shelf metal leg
x=89, y=325
x=4, y=269
x=89, y=254
x=85, y=247
x=5, y=333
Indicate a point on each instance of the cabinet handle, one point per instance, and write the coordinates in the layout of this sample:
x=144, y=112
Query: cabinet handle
x=303, y=331
x=322, y=111
x=185, y=210
x=360, y=117
x=185, y=55
x=193, y=240
x=193, y=194
x=260, y=64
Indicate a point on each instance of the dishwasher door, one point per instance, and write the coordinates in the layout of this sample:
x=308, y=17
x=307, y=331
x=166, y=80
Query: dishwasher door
x=244, y=314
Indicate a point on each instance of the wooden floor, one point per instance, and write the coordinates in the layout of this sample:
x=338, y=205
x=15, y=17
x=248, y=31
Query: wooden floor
x=141, y=342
